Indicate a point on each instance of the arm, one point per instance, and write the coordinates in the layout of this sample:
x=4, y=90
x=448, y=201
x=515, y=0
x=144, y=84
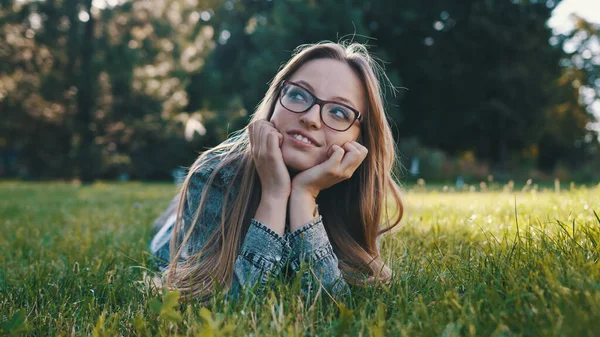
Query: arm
x=262, y=251
x=261, y=257
x=309, y=241
x=311, y=252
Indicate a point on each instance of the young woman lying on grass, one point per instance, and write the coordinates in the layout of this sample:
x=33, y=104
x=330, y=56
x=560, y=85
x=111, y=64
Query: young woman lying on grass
x=302, y=189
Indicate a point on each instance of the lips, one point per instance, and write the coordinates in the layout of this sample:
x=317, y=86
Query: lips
x=303, y=134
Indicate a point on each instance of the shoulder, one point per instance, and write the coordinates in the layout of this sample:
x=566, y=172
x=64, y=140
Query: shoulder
x=215, y=175
x=223, y=170
x=222, y=166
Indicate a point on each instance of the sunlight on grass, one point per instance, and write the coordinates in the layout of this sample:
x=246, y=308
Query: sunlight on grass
x=465, y=264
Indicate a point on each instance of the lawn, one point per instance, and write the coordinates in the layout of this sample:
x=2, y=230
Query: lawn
x=494, y=263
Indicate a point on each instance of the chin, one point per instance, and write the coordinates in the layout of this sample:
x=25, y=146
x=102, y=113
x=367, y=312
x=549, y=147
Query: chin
x=297, y=164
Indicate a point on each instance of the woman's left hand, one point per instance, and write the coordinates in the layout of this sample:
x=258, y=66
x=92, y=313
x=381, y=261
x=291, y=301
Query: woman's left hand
x=342, y=163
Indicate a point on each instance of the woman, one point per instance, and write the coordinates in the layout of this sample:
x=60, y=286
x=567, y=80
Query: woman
x=249, y=212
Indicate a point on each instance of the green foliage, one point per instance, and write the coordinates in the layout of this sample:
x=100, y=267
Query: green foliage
x=344, y=321
x=99, y=327
x=101, y=97
x=169, y=308
x=139, y=88
x=493, y=263
x=15, y=325
x=487, y=77
x=211, y=326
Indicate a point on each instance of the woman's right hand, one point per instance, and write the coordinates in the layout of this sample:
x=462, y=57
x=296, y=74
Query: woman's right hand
x=265, y=143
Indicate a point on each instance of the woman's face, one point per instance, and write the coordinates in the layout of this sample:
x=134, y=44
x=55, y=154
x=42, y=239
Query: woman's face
x=329, y=80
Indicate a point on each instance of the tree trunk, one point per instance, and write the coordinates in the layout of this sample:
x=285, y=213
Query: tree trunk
x=86, y=158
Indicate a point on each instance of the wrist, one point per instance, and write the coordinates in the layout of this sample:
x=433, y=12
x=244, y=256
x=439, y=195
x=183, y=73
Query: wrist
x=275, y=196
x=302, y=197
x=303, y=209
x=272, y=213
x=304, y=192
x=276, y=200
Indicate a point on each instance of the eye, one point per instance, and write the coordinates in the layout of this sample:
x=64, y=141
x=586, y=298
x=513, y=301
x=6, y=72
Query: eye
x=297, y=95
x=340, y=113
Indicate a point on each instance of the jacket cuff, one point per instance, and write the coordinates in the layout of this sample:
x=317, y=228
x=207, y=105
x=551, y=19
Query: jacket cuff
x=263, y=247
x=309, y=237
x=309, y=243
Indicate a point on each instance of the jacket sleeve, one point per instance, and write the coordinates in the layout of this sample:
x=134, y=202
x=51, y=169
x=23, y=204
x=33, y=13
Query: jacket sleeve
x=262, y=252
x=312, y=255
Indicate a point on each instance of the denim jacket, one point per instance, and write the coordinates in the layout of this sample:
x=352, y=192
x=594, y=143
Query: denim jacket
x=264, y=254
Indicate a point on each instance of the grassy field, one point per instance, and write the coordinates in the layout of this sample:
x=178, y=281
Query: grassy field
x=466, y=264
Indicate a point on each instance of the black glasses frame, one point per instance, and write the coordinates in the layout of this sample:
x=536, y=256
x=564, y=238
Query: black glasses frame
x=317, y=101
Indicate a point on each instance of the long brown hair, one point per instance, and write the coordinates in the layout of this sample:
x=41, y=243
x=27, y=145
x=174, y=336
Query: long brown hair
x=352, y=228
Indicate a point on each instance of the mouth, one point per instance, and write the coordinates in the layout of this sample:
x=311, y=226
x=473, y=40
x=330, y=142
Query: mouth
x=303, y=138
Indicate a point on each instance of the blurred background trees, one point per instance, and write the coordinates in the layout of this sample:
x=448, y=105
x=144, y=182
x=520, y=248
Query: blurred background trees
x=101, y=89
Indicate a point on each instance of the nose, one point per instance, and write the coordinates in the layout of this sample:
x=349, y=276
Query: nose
x=312, y=117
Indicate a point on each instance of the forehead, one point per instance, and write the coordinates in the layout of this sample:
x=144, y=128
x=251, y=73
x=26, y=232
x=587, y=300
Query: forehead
x=330, y=80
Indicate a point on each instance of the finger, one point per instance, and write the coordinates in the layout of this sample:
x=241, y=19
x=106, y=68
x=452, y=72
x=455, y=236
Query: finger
x=273, y=142
x=350, y=147
x=264, y=138
x=266, y=123
x=267, y=130
x=363, y=149
x=337, y=153
x=332, y=149
x=352, y=158
x=251, y=133
x=271, y=124
x=254, y=130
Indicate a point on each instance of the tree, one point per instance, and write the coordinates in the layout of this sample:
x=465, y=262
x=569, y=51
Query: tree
x=571, y=131
x=36, y=93
x=91, y=92
x=253, y=40
x=481, y=74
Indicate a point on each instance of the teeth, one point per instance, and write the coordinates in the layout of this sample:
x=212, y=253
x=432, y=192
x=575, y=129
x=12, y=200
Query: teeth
x=302, y=139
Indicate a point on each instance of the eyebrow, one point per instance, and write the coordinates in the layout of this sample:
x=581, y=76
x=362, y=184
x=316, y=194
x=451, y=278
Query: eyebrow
x=338, y=98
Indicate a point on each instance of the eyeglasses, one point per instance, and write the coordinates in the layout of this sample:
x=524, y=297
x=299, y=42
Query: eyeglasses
x=337, y=116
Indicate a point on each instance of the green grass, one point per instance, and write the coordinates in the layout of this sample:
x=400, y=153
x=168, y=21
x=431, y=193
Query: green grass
x=465, y=264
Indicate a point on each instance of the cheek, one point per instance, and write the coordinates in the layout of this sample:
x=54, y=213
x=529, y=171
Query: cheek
x=275, y=117
x=280, y=117
x=342, y=138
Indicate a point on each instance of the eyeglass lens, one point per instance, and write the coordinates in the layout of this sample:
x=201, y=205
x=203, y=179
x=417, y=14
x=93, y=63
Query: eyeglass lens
x=335, y=116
